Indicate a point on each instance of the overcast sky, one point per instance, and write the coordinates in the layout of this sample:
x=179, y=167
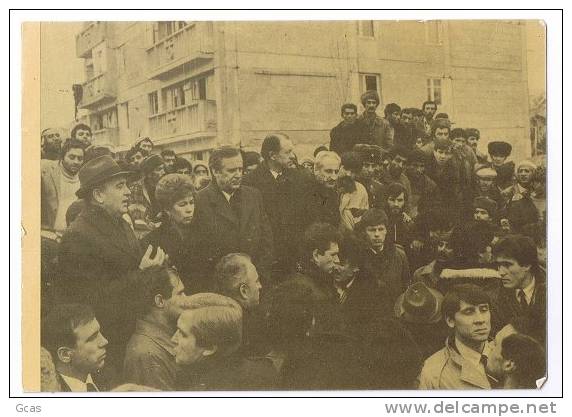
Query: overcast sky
x=60, y=68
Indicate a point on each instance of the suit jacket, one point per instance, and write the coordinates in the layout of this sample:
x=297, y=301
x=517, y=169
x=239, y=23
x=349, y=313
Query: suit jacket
x=344, y=137
x=99, y=265
x=506, y=307
x=49, y=192
x=285, y=208
x=221, y=230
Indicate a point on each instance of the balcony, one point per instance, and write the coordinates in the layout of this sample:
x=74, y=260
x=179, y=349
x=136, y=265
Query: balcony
x=90, y=36
x=106, y=136
x=192, y=44
x=99, y=90
x=197, y=117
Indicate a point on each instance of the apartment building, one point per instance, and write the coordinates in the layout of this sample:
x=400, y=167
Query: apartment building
x=191, y=86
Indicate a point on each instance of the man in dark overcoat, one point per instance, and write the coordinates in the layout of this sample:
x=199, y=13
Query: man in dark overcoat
x=230, y=217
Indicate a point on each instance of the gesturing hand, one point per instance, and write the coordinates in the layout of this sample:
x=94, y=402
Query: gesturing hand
x=151, y=262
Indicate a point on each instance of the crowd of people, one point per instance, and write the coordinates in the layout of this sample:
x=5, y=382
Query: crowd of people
x=397, y=257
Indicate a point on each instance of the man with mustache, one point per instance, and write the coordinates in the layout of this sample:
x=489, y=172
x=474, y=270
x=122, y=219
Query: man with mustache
x=461, y=363
x=230, y=217
x=100, y=260
x=51, y=144
x=60, y=182
x=395, y=172
x=379, y=131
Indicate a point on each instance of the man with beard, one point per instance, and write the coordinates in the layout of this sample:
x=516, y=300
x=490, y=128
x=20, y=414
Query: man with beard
x=429, y=109
x=51, y=144
x=60, y=182
x=100, y=259
x=520, y=210
x=230, y=217
x=499, y=151
x=82, y=132
x=383, y=261
x=423, y=188
x=473, y=136
x=484, y=210
x=149, y=356
x=379, y=131
x=353, y=195
x=348, y=132
x=400, y=225
x=395, y=172
x=134, y=157
x=460, y=364
x=322, y=202
x=371, y=162
x=282, y=187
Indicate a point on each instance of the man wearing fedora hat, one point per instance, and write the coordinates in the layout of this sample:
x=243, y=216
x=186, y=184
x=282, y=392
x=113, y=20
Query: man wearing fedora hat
x=461, y=363
x=485, y=178
x=100, y=258
x=419, y=310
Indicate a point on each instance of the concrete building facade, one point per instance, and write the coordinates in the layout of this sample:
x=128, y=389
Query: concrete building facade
x=191, y=86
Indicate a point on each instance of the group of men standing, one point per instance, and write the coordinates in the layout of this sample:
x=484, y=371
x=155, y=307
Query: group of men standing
x=400, y=257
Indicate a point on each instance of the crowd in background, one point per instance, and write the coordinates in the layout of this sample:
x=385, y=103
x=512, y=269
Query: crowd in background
x=398, y=256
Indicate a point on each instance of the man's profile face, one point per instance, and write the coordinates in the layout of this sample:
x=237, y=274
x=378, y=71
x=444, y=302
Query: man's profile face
x=472, y=323
x=83, y=135
x=513, y=275
x=481, y=214
x=442, y=133
x=349, y=115
x=371, y=105
x=328, y=261
x=327, y=173
x=285, y=156
x=429, y=110
x=229, y=177
x=89, y=352
x=186, y=350
x=495, y=362
x=252, y=286
x=157, y=173
x=115, y=196
x=375, y=236
x=73, y=160
x=396, y=204
x=173, y=306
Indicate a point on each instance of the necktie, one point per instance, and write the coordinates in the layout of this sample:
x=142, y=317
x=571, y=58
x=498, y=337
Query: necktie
x=235, y=204
x=91, y=387
x=522, y=300
x=492, y=381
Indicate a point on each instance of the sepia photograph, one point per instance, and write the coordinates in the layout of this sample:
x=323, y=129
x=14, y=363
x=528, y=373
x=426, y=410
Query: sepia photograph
x=321, y=205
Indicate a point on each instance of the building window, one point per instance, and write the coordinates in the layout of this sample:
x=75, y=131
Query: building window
x=434, y=90
x=365, y=28
x=168, y=28
x=370, y=82
x=175, y=96
x=153, y=103
x=433, y=32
